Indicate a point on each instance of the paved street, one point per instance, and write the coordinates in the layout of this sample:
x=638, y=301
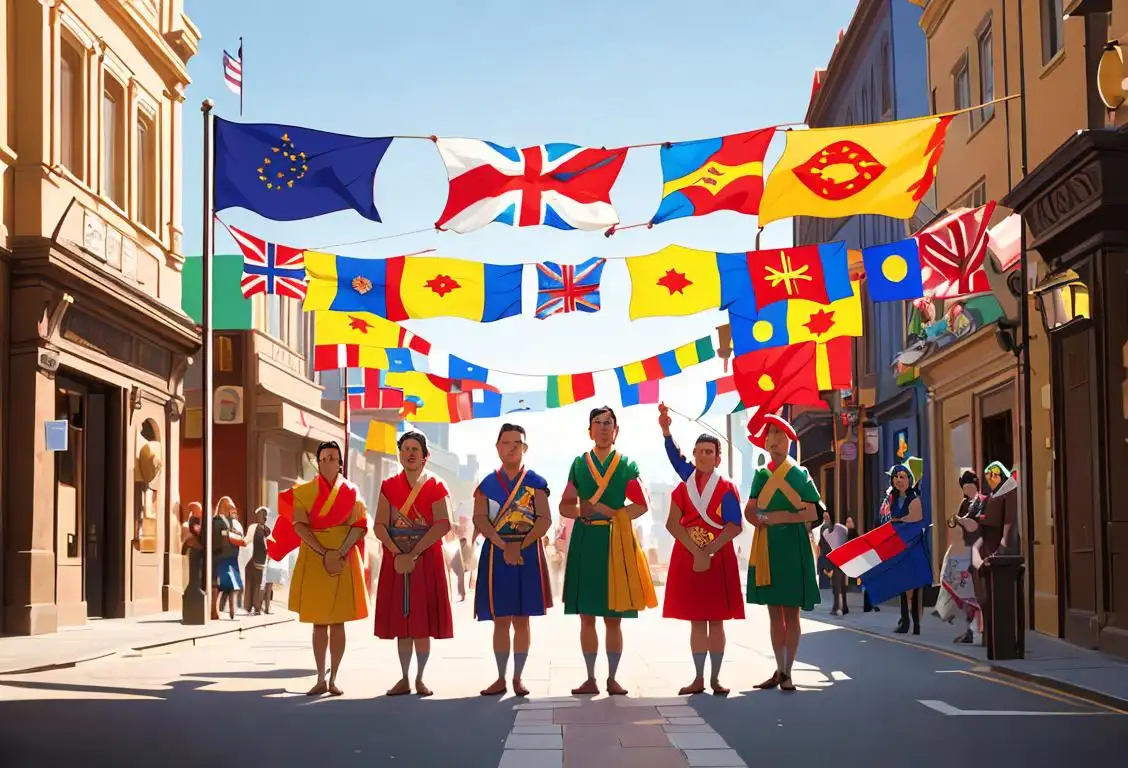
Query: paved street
x=863, y=701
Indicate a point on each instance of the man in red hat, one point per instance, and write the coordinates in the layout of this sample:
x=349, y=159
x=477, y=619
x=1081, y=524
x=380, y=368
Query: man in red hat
x=781, y=574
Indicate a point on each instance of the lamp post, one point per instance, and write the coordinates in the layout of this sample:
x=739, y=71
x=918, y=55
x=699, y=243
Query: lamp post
x=1062, y=299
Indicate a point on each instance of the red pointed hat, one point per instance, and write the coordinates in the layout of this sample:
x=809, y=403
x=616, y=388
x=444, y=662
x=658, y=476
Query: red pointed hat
x=758, y=429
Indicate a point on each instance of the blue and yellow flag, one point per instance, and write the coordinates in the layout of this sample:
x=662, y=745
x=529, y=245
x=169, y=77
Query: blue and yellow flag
x=793, y=322
x=893, y=271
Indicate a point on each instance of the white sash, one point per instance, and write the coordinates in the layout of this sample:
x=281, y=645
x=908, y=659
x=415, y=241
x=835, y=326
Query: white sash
x=701, y=500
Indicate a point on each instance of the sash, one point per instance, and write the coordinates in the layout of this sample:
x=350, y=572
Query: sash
x=412, y=526
x=329, y=501
x=629, y=585
x=778, y=482
x=602, y=480
x=701, y=500
x=500, y=519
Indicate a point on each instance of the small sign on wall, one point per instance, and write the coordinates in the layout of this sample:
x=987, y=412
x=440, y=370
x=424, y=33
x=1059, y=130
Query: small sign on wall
x=55, y=435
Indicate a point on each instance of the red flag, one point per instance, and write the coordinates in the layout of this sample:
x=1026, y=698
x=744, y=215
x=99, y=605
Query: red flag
x=953, y=251
x=770, y=378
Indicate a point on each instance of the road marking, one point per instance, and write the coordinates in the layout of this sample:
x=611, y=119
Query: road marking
x=1060, y=696
x=945, y=708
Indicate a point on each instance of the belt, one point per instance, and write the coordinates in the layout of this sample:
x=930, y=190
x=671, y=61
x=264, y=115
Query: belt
x=586, y=521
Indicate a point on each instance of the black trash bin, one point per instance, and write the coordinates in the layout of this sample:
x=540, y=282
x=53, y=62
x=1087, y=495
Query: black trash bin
x=1005, y=619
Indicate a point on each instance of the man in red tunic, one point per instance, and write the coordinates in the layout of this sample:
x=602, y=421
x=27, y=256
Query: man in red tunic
x=703, y=585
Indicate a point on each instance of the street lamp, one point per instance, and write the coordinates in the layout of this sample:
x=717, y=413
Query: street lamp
x=1063, y=299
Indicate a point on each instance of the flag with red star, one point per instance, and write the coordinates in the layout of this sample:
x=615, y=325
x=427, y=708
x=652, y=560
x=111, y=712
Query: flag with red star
x=675, y=281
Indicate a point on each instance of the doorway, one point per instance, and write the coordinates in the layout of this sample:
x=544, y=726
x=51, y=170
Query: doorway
x=997, y=440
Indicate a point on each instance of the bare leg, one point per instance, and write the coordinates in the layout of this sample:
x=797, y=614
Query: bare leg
x=501, y=654
x=792, y=634
x=403, y=648
x=716, y=655
x=614, y=644
x=336, y=655
x=320, y=646
x=779, y=646
x=589, y=644
x=422, y=652
x=698, y=643
x=522, y=639
x=215, y=602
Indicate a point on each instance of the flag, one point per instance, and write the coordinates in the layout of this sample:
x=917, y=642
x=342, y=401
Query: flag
x=893, y=271
x=270, y=268
x=795, y=321
x=381, y=438
x=872, y=548
x=364, y=329
x=953, y=251
x=485, y=404
x=674, y=281
x=818, y=273
x=568, y=389
x=403, y=360
x=1005, y=241
x=460, y=369
x=233, y=72
x=720, y=174
x=770, y=378
x=332, y=357
x=285, y=173
x=366, y=389
x=555, y=185
x=430, y=399
x=564, y=288
x=523, y=402
x=831, y=173
x=231, y=311
x=407, y=287
x=643, y=393
x=721, y=386
x=669, y=363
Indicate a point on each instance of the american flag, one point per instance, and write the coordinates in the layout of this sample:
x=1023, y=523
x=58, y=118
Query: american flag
x=270, y=268
x=564, y=288
x=953, y=251
x=233, y=71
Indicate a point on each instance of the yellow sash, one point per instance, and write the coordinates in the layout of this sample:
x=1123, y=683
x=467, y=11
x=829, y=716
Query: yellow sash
x=760, y=559
x=499, y=521
x=330, y=499
x=602, y=479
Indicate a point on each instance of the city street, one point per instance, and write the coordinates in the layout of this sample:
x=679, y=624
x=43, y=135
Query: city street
x=862, y=701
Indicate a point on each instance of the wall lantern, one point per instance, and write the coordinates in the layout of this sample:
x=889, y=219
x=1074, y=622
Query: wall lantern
x=1111, y=76
x=1063, y=299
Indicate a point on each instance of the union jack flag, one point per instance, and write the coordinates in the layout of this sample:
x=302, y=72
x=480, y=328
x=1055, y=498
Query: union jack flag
x=270, y=268
x=564, y=288
x=953, y=251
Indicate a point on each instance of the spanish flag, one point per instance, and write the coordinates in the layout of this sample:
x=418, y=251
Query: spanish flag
x=364, y=329
x=883, y=169
x=407, y=287
x=570, y=388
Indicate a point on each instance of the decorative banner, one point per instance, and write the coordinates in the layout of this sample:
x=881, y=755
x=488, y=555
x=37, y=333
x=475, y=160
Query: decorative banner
x=269, y=268
x=673, y=282
x=953, y=251
x=429, y=398
x=556, y=185
x=564, y=288
x=366, y=389
x=364, y=329
x=568, y=389
x=818, y=273
x=643, y=393
x=795, y=321
x=832, y=173
x=722, y=386
x=793, y=375
x=893, y=271
x=669, y=363
x=381, y=438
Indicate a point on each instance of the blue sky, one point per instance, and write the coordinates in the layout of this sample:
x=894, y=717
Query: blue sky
x=585, y=72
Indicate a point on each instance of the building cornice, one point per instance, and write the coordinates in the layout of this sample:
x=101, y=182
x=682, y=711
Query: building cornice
x=165, y=59
x=933, y=16
x=845, y=55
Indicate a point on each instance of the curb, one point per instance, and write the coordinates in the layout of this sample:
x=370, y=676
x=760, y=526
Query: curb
x=1076, y=691
x=168, y=646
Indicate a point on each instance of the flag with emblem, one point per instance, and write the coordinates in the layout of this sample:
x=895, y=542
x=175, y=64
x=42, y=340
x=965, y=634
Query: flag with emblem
x=893, y=271
x=818, y=273
x=953, y=252
x=270, y=268
x=555, y=185
x=669, y=363
x=405, y=287
x=885, y=169
x=432, y=399
x=285, y=172
x=719, y=174
x=564, y=288
x=364, y=329
x=793, y=322
x=674, y=281
x=568, y=389
x=793, y=375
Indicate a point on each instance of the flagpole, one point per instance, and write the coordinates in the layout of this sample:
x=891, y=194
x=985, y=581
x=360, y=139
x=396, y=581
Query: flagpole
x=348, y=418
x=195, y=608
x=242, y=76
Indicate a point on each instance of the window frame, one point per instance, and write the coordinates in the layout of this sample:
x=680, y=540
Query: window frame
x=1052, y=28
x=114, y=187
x=74, y=106
x=986, y=80
x=146, y=170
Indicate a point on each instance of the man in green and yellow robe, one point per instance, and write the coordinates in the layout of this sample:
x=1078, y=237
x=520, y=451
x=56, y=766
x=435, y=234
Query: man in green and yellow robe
x=781, y=571
x=606, y=573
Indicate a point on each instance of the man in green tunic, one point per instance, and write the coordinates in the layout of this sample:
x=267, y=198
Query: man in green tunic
x=602, y=484
x=781, y=573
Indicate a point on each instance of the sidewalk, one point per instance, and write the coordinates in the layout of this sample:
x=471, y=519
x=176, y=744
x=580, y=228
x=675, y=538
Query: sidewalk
x=1049, y=661
x=100, y=638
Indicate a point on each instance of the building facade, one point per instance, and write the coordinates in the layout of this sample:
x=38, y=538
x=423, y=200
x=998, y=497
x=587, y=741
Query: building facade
x=983, y=405
x=95, y=343
x=874, y=75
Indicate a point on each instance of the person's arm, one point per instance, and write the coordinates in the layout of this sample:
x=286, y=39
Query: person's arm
x=915, y=513
x=730, y=514
x=807, y=513
x=543, y=521
x=635, y=494
x=678, y=531
x=683, y=468
x=752, y=512
x=570, y=502
x=440, y=513
x=305, y=532
x=482, y=522
x=380, y=525
x=357, y=530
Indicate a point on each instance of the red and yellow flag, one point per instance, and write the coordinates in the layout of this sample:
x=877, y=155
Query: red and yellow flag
x=883, y=169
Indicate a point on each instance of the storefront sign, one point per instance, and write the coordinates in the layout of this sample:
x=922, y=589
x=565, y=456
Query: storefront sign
x=55, y=435
x=848, y=451
x=94, y=235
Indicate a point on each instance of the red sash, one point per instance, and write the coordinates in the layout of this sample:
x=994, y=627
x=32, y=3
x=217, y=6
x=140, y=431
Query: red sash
x=327, y=507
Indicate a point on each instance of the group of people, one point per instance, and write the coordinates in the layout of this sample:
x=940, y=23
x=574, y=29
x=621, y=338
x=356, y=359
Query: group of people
x=606, y=573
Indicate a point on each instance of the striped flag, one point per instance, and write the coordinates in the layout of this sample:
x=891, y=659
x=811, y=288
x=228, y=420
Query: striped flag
x=722, y=386
x=233, y=71
x=368, y=391
x=569, y=388
x=670, y=363
x=270, y=268
x=643, y=393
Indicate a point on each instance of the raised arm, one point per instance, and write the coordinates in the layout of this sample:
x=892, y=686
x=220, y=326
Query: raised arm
x=683, y=468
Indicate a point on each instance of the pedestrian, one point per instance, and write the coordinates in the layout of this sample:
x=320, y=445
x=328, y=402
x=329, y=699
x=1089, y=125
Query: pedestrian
x=413, y=595
x=226, y=541
x=257, y=534
x=559, y=558
x=906, y=513
x=606, y=574
x=273, y=575
x=782, y=571
x=511, y=512
x=325, y=519
x=703, y=581
x=452, y=550
x=834, y=535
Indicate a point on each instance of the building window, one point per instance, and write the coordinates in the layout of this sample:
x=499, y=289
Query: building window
x=961, y=85
x=146, y=173
x=986, y=76
x=71, y=106
x=886, y=86
x=1053, y=32
x=113, y=142
x=274, y=315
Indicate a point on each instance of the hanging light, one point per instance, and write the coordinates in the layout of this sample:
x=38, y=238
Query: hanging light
x=1111, y=76
x=1063, y=299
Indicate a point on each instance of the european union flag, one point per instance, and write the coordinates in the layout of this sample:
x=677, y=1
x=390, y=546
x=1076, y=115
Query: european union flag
x=893, y=271
x=284, y=173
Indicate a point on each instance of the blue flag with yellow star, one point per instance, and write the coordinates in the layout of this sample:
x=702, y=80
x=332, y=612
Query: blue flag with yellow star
x=893, y=271
x=285, y=173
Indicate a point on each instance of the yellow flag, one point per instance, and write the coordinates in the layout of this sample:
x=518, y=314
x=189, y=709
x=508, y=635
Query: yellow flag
x=882, y=169
x=435, y=405
x=810, y=321
x=442, y=287
x=675, y=281
x=381, y=438
x=362, y=328
x=321, y=280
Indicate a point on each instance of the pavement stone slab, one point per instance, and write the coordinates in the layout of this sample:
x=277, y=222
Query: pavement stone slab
x=714, y=758
x=534, y=741
x=677, y=711
x=695, y=740
x=531, y=758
